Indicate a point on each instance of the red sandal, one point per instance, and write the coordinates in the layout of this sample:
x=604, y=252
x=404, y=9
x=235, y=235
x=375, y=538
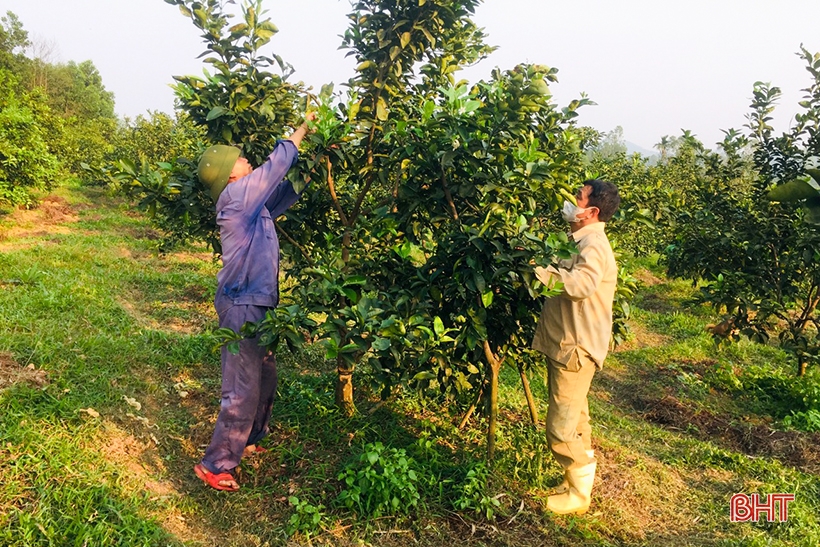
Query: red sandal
x=253, y=449
x=213, y=479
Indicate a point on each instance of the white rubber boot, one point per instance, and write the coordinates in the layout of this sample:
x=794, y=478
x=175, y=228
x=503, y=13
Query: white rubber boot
x=579, y=495
x=564, y=486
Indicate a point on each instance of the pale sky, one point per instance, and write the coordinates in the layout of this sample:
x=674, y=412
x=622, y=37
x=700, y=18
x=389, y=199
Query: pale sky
x=653, y=66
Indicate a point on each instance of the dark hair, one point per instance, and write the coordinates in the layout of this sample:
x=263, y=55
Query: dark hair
x=604, y=196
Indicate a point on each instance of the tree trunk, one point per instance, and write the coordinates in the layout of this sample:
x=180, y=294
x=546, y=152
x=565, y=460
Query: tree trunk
x=344, y=380
x=346, y=245
x=494, y=364
x=472, y=408
x=528, y=394
x=344, y=389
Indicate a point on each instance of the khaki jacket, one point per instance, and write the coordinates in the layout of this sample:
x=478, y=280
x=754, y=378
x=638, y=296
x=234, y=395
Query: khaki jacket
x=580, y=318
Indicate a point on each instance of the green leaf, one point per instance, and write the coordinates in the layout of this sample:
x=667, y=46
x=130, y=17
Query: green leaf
x=429, y=37
x=405, y=39
x=381, y=109
x=350, y=294
x=425, y=330
x=349, y=348
x=794, y=190
x=480, y=284
x=541, y=87
x=487, y=298
x=267, y=27
x=216, y=112
x=813, y=211
x=354, y=110
x=404, y=249
x=201, y=17
x=429, y=108
x=331, y=349
x=355, y=280
x=815, y=174
x=426, y=375
x=380, y=344
x=438, y=326
x=129, y=167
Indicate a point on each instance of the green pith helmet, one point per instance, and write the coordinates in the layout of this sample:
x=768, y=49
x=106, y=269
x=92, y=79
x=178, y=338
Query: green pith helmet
x=215, y=167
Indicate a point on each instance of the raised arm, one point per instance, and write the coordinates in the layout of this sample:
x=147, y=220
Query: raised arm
x=297, y=136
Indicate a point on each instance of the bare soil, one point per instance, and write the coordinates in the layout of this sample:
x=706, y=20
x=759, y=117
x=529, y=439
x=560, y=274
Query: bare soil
x=12, y=372
x=48, y=219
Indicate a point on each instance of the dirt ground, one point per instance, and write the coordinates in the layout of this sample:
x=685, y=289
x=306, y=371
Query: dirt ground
x=12, y=372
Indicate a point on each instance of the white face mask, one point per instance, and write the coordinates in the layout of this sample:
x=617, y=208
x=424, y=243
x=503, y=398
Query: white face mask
x=571, y=211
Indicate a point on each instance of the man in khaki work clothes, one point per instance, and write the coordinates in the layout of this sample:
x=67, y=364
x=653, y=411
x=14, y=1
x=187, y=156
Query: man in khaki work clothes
x=574, y=331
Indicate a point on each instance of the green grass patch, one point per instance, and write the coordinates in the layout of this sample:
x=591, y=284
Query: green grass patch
x=111, y=385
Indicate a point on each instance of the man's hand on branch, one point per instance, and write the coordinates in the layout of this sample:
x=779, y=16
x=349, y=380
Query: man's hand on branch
x=302, y=130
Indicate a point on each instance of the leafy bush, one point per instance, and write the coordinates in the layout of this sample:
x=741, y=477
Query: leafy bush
x=306, y=518
x=156, y=138
x=638, y=226
x=471, y=492
x=173, y=197
x=242, y=103
x=86, y=142
x=53, y=118
x=381, y=481
x=785, y=393
x=621, y=309
x=148, y=162
x=759, y=258
x=807, y=421
x=26, y=161
x=723, y=376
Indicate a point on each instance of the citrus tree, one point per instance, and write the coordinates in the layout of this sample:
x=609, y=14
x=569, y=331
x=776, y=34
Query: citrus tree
x=485, y=170
x=753, y=236
x=420, y=253
x=344, y=235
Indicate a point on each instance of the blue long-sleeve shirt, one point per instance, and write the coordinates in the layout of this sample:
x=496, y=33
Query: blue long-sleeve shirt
x=245, y=212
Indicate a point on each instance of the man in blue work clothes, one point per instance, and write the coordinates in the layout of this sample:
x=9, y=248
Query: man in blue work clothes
x=247, y=202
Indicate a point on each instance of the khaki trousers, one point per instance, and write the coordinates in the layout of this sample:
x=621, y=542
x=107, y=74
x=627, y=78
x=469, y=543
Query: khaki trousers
x=568, y=429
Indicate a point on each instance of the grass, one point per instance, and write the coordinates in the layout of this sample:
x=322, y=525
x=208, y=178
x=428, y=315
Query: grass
x=109, y=386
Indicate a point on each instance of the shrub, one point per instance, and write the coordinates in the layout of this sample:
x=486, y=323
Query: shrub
x=472, y=494
x=306, y=517
x=26, y=162
x=381, y=481
x=156, y=138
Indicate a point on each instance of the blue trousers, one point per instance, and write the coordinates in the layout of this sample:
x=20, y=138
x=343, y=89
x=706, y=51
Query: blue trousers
x=249, y=382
